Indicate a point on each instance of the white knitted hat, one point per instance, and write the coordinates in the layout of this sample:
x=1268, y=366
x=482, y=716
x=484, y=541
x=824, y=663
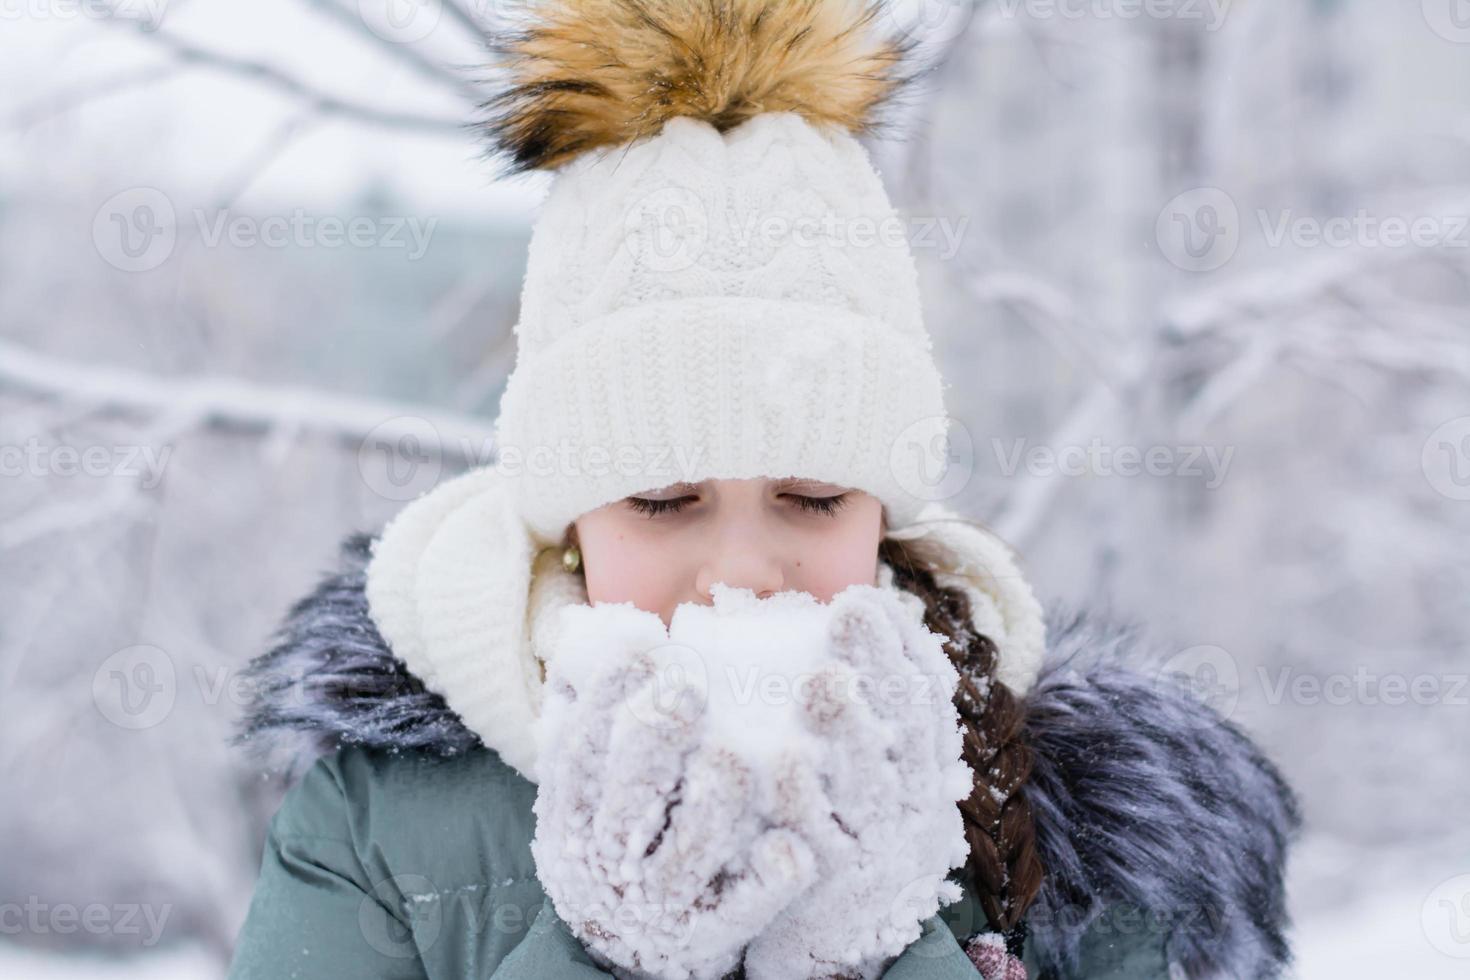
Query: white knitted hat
x=717, y=287
x=704, y=305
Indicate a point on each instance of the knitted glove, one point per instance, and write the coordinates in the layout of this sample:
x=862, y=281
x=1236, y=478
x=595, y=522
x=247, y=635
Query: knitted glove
x=987, y=950
x=885, y=825
x=647, y=837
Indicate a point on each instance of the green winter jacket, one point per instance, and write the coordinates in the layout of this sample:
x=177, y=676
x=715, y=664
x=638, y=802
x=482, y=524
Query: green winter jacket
x=403, y=849
x=405, y=865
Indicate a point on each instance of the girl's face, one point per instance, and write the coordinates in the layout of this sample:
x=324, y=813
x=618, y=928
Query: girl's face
x=666, y=546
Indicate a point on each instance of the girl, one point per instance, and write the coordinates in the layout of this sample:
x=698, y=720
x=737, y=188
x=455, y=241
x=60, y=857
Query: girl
x=723, y=377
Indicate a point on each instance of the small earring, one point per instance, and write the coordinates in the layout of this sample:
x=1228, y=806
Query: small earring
x=571, y=558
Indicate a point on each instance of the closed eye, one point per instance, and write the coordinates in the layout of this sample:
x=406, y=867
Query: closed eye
x=811, y=505
x=819, y=505
x=655, y=507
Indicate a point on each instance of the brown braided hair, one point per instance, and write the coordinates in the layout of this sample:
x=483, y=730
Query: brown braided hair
x=1004, y=867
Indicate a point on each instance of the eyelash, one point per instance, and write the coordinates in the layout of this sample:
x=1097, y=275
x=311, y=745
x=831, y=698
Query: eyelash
x=816, y=505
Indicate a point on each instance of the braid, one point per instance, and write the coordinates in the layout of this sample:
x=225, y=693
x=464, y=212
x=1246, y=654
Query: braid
x=1004, y=866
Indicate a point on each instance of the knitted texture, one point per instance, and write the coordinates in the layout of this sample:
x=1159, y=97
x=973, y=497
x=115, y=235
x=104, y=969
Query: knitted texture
x=448, y=587
x=719, y=305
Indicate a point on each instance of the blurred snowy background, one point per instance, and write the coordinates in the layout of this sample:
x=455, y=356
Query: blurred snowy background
x=1200, y=275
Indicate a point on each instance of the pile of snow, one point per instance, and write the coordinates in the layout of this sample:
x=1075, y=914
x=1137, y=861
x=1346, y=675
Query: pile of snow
x=777, y=758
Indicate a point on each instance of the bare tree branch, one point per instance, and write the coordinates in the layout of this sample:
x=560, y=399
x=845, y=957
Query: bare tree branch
x=1283, y=287
x=49, y=106
x=407, y=53
x=274, y=145
x=1064, y=325
x=1031, y=496
x=1228, y=384
x=457, y=10
x=71, y=516
x=234, y=403
x=276, y=78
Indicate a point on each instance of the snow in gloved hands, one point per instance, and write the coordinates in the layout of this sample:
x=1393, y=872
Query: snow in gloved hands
x=768, y=781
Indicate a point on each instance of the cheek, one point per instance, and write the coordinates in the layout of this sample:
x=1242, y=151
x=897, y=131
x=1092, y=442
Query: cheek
x=846, y=553
x=626, y=563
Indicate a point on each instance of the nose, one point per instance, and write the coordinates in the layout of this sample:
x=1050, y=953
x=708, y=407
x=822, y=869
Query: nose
x=742, y=559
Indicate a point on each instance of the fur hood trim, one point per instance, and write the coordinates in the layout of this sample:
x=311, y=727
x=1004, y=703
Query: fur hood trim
x=1143, y=797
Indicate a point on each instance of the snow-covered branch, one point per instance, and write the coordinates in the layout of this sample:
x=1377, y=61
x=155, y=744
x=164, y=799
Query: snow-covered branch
x=52, y=105
x=230, y=402
x=273, y=77
x=425, y=67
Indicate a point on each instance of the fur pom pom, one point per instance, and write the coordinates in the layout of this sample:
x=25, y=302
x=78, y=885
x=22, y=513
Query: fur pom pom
x=585, y=74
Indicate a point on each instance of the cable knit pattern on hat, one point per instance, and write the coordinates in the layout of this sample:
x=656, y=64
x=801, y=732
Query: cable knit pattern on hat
x=706, y=304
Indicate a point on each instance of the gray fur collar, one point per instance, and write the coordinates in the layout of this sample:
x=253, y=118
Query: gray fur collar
x=1143, y=798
